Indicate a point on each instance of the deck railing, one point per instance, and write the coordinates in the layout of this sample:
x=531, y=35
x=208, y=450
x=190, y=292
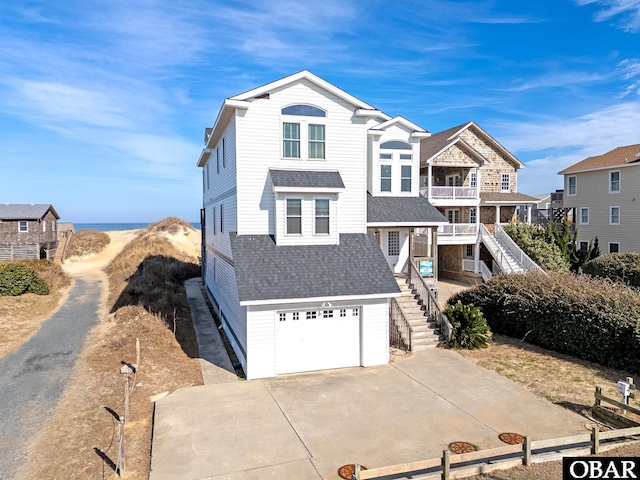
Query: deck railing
x=400, y=332
x=429, y=301
x=496, y=251
x=528, y=264
x=458, y=229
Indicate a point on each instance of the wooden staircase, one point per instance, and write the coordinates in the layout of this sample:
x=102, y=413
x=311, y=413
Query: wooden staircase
x=425, y=332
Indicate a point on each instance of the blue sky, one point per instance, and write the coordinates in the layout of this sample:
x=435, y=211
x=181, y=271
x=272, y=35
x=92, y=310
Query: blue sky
x=103, y=104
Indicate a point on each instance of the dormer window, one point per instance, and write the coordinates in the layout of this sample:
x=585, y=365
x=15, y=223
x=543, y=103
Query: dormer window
x=303, y=138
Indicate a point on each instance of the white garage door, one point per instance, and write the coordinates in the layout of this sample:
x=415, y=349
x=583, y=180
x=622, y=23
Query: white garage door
x=317, y=340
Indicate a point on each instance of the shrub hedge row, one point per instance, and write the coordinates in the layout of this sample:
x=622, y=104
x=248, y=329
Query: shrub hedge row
x=16, y=279
x=589, y=318
x=624, y=267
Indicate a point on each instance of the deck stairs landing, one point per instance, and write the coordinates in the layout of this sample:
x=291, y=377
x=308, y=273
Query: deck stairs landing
x=425, y=331
x=509, y=258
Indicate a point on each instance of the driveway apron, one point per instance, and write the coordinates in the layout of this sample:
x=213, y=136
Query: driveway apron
x=33, y=378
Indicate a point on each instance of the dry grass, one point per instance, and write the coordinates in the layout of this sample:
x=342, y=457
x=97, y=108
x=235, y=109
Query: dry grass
x=86, y=242
x=561, y=379
x=146, y=298
x=23, y=315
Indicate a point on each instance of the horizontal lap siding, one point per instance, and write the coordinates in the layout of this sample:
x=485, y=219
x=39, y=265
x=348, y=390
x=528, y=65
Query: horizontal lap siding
x=375, y=332
x=593, y=192
x=261, y=339
x=225, y=293
x=260, y=148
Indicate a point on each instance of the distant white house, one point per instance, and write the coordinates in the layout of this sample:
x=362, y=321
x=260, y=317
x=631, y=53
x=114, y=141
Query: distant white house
x=311, y=200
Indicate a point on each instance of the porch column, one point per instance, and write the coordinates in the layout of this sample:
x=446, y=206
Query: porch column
x=434, y=251
x=478, y=184
x=476, y=256
x=429, y=180
x=497, y=214
x=529, y=214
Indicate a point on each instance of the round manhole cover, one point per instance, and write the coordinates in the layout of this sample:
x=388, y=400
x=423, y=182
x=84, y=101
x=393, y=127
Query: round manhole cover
x=462, y=447
x=511, y=438
x=346, y=471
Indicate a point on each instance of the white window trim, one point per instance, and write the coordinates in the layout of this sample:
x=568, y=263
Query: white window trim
x=575, y=186
x=304, y=123
x=613, y=243
x=473, y=179
x=619, y=182
x=390, y=177
x=473, y=218
x=410, y=178
x=315, y=217
x=26, y=226
x=508, y=182
x=581, y=209
x=286, y=217
x=453, y=212
x=610, y=214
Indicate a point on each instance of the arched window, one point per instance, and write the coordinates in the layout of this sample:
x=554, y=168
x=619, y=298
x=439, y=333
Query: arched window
x=395, y=145
x=304, y=111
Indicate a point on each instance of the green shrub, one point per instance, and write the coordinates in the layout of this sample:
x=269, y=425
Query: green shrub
x=623, y=267
x=470, y=329
x=589, y=318
x=539, y=244
x=16, y=279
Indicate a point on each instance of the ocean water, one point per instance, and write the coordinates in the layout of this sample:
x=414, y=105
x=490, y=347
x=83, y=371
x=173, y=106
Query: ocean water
x=105, y=227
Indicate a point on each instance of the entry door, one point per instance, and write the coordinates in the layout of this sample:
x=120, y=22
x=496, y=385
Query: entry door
x=453, y=216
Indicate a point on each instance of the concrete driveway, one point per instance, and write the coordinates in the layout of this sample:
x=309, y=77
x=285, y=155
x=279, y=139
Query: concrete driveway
x=306, y=426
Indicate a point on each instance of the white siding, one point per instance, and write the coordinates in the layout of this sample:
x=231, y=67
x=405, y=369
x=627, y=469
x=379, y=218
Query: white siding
x=375, y=333
x=261, y=340
x=395, y=132
x=260, y=148
x=592, y=191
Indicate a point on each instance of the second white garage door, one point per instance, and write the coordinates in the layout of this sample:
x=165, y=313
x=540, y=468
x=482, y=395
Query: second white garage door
x=317, y=340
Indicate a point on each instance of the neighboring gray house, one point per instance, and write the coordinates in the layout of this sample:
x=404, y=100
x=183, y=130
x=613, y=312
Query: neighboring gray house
x=28, y=231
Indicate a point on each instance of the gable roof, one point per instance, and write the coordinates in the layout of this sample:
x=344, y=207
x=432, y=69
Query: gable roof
x=506, y=197
x=416, y=211
x=619, y=156
x=416, y=130
x=267, y=272
x=32, y=211
x=306, y=179
x=441, y=141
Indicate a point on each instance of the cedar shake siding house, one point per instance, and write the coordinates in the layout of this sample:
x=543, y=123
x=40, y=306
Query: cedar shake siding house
x=310, y=204
x=28, y=231
x=603, y=194
x=472, y=180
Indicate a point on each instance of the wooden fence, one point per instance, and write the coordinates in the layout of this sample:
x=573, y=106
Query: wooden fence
x=20, y=251
x=495, y=458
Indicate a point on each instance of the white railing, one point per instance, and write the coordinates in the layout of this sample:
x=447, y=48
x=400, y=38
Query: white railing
x=458, y=229
x=528, y=264
x=461, y=193
x=485, y=271
x=429, y=302
x=497, y=253
x=468, y=265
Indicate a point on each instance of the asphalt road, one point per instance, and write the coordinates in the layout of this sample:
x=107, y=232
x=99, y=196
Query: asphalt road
x=33, y=378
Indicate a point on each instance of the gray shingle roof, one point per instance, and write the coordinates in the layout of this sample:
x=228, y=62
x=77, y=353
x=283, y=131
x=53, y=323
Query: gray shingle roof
x=506, y=197
x=306, y=179
x=265, y=271
x=416, y=210
x=17, y=211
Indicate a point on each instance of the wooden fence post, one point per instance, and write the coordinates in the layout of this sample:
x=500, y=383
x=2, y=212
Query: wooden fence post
x=526, y=459
x=446, y=465
x=595, y=440
x=598, y=392
x=356, y=472
x=121, y=462
x=126, y=399
x=137, y=354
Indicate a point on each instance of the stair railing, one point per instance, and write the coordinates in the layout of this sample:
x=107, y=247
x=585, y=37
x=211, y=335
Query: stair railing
x=495, y=250
x=524, y=259
x=429, y=301
x=400, y=331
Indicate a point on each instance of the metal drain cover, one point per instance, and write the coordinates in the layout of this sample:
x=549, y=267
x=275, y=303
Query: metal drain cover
x=511, y=438
x=462, y=447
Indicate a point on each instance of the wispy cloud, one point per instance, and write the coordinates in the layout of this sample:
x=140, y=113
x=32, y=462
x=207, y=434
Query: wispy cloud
x=627, y=12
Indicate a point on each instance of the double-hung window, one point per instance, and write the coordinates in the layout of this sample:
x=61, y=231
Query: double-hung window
x=472, y=215
x=584, y=216
x=405, y=178
x=614, y=182
x=322, y=216
x=294, y=216
x=473, y=179
x=23, y=226
x=291, y=140
x=614, y=215
x=316, y=141
x=385, y=178
x=572, y=185
x=614, y=247
x=505, y=185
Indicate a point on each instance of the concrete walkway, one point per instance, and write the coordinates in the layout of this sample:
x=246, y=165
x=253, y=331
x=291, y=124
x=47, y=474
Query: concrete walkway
x=306, y=426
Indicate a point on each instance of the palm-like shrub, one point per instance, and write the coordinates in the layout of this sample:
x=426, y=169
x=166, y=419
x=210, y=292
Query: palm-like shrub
x=470, y=329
